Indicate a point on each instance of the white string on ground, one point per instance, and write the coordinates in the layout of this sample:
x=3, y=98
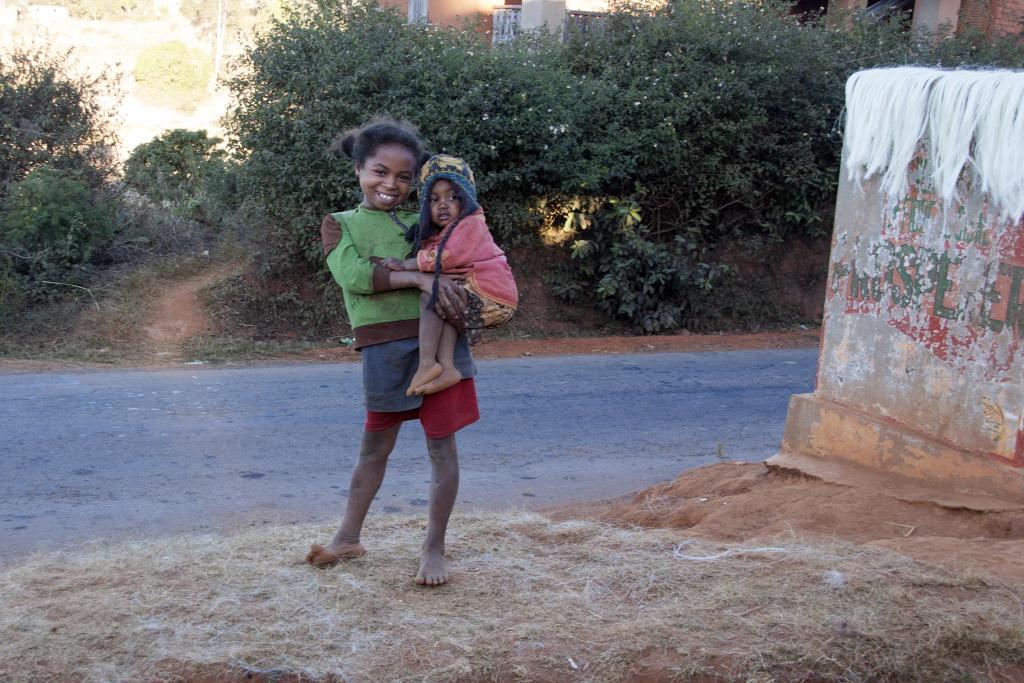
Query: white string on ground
x=973, y=120
x=680, y=555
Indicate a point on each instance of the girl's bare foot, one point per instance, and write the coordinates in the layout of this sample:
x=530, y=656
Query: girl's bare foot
x=321, y=557
x=433, y=569
x=423, y=375
x=449, y=377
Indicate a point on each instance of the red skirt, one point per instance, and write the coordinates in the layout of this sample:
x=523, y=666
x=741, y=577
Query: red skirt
x=442, y=414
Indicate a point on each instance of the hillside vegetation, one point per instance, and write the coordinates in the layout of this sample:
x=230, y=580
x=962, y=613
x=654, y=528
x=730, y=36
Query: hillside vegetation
x=674, y=170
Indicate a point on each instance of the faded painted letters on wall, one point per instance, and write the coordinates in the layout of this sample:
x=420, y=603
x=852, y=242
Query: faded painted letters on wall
x=948, y=278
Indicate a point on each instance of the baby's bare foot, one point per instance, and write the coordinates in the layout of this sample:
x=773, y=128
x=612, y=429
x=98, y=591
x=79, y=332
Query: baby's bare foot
x=433, y=569
x=449, y=377
x=321, y=557
x=423, y=375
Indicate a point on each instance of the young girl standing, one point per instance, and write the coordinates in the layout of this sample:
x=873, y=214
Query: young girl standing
x=452, y=237
x=383, y=307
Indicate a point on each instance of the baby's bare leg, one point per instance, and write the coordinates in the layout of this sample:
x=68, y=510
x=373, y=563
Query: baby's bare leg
x=431, y=330
x=366, y=480
x=444, y=487
x=449, y=376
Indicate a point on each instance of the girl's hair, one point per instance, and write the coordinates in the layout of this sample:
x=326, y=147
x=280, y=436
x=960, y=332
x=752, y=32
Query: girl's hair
x=359, y=144
x=424, y=229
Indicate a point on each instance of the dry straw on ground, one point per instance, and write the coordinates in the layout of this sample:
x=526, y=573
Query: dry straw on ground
x=530, y=599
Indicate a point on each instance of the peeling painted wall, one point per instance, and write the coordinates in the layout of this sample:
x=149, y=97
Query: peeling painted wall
x=924, y=314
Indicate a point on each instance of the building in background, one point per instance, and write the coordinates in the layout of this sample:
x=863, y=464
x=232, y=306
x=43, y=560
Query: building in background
x=504, y=19
x=991, y=17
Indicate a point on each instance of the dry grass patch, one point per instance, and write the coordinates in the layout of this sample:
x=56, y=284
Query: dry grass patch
x=530, y=599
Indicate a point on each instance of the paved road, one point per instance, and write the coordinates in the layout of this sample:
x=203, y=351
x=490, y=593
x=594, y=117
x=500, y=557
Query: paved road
x=128, y=454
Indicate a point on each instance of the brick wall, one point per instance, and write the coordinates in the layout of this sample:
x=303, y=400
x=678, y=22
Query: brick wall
x=1007, y=17
x=975, y=14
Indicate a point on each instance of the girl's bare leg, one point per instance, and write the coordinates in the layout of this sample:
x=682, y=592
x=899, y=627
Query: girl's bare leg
x=366, y=480
x=431, y=329
x=444, y=487
x=450, y=375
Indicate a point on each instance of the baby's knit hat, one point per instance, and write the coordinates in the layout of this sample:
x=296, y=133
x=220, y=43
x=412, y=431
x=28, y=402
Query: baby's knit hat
x=447, y=167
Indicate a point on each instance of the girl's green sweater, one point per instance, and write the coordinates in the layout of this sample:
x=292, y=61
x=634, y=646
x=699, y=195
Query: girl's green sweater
x=375, y=315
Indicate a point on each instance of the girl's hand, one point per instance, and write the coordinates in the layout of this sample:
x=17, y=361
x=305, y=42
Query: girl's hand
x=452, y=298
x=392, y=263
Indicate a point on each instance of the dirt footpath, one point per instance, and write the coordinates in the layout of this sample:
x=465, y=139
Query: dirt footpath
x=178, y=314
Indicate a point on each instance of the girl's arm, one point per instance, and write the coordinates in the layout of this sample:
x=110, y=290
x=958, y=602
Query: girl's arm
x=351, y=271
x=360, y=276
x=452, y=298
x=403, y=279
x=399, y=265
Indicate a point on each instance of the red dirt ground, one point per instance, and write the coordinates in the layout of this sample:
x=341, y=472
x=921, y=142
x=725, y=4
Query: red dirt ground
x=178, y=315
x=579, y=346
x=739, y=502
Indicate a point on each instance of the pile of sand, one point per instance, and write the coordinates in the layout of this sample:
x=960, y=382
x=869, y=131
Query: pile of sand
x=741, y=502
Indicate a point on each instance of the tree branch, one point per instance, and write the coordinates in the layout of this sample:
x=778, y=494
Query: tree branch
x=68, y=284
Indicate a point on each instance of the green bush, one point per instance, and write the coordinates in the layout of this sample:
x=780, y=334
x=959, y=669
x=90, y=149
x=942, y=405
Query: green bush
x=319, y=73
x=654, y=286
x=184, y=169
x=49, y=115
x=172, y=75
x=52, y=226
x=722, y=120
x=12, y=294
x=56, y=159
x=715, y=119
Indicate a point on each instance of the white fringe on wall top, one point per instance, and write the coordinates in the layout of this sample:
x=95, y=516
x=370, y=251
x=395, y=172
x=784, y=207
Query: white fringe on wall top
x=969, y=118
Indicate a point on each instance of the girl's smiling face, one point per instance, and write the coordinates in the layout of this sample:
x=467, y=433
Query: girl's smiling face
x=386, y=177
x=445, y=205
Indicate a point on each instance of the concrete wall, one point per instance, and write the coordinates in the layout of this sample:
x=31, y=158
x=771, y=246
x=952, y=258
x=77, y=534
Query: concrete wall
x=924, y=314
x=450, y=12
x=994, y=17
x=921, y=373
x=931, y=15
x=455, y=12
x=538, y=13
x=585, y=5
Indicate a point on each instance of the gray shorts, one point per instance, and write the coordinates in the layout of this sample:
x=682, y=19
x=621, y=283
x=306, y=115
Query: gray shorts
x=388, y=369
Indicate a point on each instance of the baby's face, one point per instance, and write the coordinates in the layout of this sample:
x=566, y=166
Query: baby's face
x=445, y=206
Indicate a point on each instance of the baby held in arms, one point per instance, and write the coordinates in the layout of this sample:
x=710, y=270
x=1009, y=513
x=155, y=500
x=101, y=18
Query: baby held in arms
x=451, y=237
